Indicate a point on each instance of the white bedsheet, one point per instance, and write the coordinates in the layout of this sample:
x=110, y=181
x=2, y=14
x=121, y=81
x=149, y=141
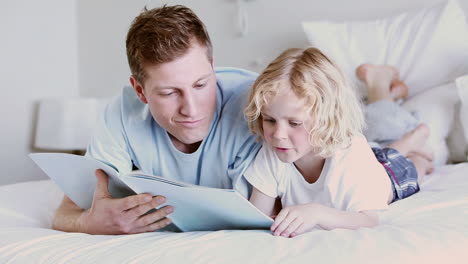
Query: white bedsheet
x=429, y=227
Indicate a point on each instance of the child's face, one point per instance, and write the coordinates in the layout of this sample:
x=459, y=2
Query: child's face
x=284, y=129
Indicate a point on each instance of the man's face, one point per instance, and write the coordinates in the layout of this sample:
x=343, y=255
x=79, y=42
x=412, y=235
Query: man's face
x=181, y=96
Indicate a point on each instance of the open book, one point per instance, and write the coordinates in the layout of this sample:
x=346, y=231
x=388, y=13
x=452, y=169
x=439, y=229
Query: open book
x=196, y=208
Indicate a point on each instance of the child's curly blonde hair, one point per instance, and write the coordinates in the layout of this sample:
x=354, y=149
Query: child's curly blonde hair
x=331, y=103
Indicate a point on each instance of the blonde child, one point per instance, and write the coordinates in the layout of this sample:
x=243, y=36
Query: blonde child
x=314, y=157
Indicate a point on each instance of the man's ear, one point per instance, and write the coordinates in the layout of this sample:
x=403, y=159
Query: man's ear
x=212, y=62
x=139, y=90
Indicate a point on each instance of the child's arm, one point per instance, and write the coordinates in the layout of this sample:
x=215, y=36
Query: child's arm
x=263, y=202
x=298, y=219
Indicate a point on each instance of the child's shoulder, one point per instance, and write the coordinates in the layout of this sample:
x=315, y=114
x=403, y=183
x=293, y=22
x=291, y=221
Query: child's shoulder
x=356, y=162
x=358, y=149
x=359, y=141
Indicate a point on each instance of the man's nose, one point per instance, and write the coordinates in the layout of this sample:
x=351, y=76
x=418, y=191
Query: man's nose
x=189, y=105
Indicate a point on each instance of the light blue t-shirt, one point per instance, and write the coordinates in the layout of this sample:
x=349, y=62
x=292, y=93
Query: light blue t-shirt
x=128, y=135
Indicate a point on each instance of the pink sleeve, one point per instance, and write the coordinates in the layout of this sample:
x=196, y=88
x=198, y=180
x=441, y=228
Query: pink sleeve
x=365, y=184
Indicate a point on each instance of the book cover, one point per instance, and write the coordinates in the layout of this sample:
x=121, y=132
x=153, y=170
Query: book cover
x=196, y=208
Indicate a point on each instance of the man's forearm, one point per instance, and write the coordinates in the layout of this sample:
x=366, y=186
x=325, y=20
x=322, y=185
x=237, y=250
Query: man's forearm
x=67, y=217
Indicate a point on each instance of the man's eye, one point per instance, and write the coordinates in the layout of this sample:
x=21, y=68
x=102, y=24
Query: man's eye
x=168, y=93
x=200, y=85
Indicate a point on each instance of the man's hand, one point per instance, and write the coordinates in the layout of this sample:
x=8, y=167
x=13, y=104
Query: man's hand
x=296, y=220
x=127, y=215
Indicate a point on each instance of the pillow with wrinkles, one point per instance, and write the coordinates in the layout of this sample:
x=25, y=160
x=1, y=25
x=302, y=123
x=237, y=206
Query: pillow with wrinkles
x=428, y=46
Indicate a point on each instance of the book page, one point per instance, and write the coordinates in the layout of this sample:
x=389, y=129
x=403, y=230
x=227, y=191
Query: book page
x=74, y=174
x=203, y=208
x=139, y=174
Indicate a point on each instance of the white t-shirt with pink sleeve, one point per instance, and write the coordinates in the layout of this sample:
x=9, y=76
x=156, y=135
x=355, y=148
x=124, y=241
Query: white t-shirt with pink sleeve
x=351, y=180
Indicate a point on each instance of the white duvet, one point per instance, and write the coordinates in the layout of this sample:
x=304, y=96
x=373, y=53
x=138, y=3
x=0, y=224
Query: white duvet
x=429, y=227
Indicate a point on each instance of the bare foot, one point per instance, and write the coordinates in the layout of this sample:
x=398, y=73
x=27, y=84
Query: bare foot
x=414, y=142
x=422, y=165
x=379, y=79
x=398, y=90
x=366, y=70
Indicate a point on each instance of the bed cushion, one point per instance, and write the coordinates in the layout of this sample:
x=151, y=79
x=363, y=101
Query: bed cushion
x=436, y=107
x=429, y=46
x=29, y=204
x=458, y=139
x=428, y=227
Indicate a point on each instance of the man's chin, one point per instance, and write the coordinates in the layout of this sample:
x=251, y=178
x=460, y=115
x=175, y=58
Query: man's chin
x=190, y=139
x=189, y=136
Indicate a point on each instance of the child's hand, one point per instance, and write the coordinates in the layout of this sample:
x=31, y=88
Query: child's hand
x=296, y=220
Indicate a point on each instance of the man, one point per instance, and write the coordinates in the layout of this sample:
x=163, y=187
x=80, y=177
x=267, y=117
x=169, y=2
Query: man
x=181, y=120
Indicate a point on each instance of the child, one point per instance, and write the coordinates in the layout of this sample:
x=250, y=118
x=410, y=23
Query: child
x=387, y=122
x=314, y=157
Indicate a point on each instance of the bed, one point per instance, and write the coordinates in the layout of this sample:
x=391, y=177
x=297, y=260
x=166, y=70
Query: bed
x=429, y=227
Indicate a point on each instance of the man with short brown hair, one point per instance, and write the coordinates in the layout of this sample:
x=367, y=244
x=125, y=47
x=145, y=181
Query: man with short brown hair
x=181, y=119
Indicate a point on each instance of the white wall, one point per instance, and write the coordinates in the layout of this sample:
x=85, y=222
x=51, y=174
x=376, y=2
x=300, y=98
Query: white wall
x=274, y=26
x=38, y=58
x=41, y=41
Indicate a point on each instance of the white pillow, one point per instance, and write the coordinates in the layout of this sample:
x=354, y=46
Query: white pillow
x=429, y=46
x=436, y=107
x=458, y=140
x=462, y=87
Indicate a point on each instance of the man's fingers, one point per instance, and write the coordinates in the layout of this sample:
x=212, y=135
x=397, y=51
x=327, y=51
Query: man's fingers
x=101, y=186
x=142, y=209
x=130, y=214
x=155, y=217
x=161, y=223
x=138, y=218
x=130, y=202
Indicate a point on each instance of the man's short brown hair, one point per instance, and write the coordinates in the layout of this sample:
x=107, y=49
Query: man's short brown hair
x=163, y=34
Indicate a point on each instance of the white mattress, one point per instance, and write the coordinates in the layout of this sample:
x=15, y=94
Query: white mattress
x=429, y=227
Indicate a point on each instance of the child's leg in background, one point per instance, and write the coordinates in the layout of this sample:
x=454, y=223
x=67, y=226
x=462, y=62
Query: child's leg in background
x=401, y=171
x=423, y=166
x=414, y=142
x=386, y=120
x=412, y=146
x=406, y=162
